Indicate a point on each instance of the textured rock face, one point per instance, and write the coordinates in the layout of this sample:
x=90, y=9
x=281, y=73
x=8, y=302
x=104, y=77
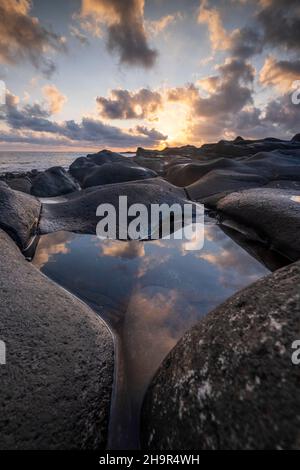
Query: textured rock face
x=230, y=382
x=78, y=212
x=56, y=384
x=109, y=173
x=273, y=213
x=19, y=214
x=53, y=182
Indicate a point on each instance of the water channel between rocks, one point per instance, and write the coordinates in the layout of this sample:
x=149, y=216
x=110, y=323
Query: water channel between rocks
x=149, y=293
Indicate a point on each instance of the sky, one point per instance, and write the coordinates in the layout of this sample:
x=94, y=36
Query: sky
x=91, y=74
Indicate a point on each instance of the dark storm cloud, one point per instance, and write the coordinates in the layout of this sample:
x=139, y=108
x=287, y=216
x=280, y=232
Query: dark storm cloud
x=123, y=104
x=229, y=92
x=280, y=21
x=125, y=27
x=22, y=37
x=245, y=43
x=275, y=25
x=29, y=121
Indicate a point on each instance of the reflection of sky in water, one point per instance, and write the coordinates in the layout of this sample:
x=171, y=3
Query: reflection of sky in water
x=157, y=289
x=150, y=292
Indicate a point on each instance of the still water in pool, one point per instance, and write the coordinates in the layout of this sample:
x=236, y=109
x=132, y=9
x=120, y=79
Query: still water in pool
x=149, y=293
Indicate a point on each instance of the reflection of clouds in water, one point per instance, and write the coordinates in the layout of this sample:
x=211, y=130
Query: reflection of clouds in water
x=48, y=247
x=120, y=249
x=152, y=261
x=156, y=318
x=236, y=268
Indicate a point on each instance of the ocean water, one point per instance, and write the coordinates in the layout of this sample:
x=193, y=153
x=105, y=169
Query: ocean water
x=19, y=162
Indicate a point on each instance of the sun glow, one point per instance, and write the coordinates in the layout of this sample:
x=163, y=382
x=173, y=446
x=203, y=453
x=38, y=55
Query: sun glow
x=172, y=121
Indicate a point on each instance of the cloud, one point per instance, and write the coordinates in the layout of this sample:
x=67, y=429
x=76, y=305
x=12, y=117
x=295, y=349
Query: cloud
x=77, y=34
x=22, y=37
x=123, y=104
x=280, y=21
x=279, y=73
x=54, y=98
x=31, y=123
x=153, y=134
x=155, y=27
x=218, y=35
x=229, y=92
x=125, y=28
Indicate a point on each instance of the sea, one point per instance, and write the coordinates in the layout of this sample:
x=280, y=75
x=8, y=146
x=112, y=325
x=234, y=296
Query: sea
x=21, y=162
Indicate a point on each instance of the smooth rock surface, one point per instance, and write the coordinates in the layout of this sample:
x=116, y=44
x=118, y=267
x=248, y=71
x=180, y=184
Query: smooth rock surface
x=221, y=182
x=230, y=382
x=82, y=167
x=53, y=182
x=56, y=384
x=110, y=173
x=273, y=213
x=19, y=214
x=78, y=212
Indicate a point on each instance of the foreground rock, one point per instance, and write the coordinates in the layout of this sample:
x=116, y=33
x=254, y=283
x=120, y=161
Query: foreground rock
x=56, y=384
x=273, y=213
x=53, y=182
x=77, y=213
x=19, y=215
x=110, y=173
x=230, y=382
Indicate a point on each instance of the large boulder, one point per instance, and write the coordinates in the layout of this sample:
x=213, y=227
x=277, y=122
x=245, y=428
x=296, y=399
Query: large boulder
x=77, y=213
x=84, y=166
x=273, y=213
x=218, y=183
x=53, y=182
x=186, y=174
x=115, y=173
x=56, y=384
x=19, y=215
x=230, y=382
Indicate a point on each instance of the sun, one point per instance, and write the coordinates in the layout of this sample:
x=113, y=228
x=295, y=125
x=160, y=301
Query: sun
x=172, y=121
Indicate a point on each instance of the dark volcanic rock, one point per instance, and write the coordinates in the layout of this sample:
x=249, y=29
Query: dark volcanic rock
x=78, y=212
x=84, y=166
x=273, y=213
x=186, y=174
x=53, y=182
x=230, y=382
x=218, y=183
x=19, y=214
x=56, y=385
x=21, y=183
x=110, y=173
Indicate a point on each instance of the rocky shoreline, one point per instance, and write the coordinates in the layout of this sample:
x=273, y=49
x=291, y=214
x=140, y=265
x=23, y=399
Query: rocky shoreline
x=230, y=382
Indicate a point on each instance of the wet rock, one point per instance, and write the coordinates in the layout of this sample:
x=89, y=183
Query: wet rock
x=273, y=213
x=56, y=384
x=218, y=183
x=115, y=173
x=230, y=382
x=78, y=212
x=53, y=182
x=19, y=214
